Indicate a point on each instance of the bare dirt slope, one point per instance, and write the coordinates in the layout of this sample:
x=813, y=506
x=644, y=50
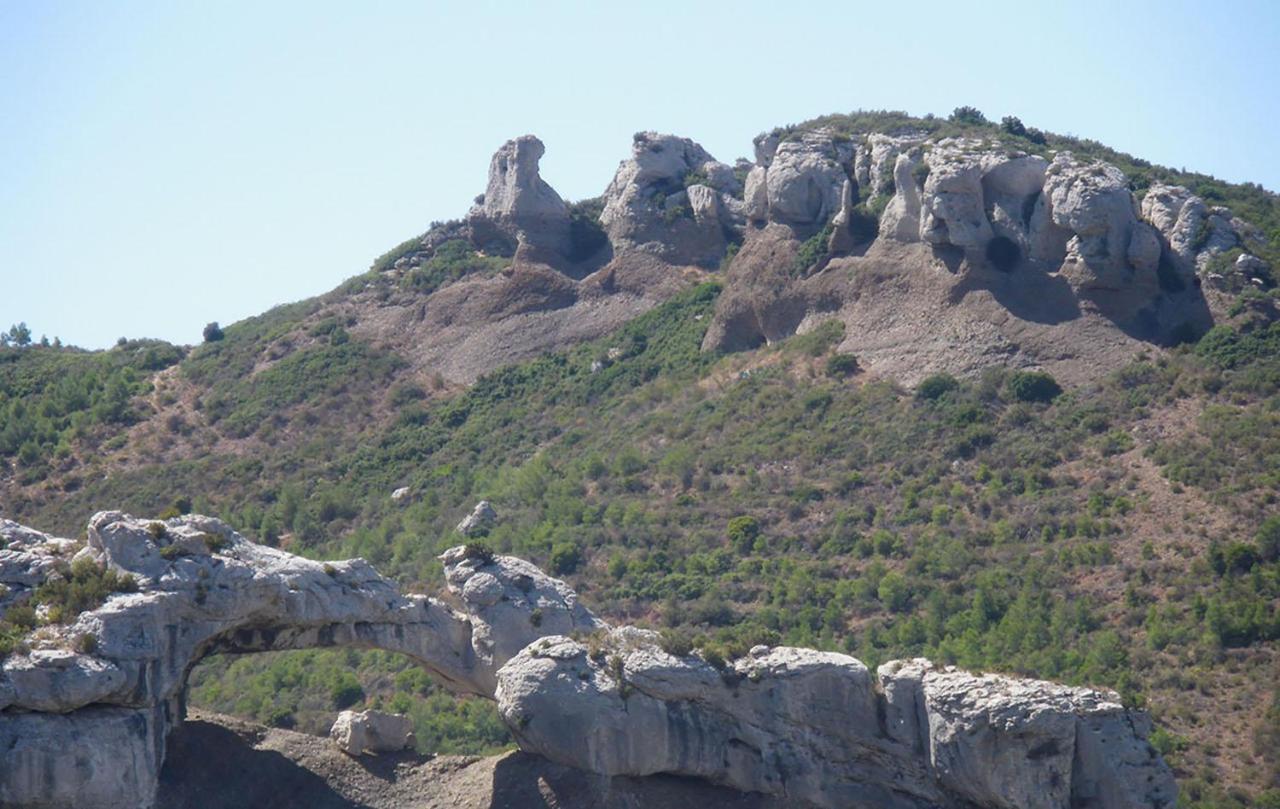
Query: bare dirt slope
x=218, y=762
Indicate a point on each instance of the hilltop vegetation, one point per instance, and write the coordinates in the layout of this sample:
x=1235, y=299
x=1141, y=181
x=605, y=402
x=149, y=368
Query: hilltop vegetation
x=995, y=523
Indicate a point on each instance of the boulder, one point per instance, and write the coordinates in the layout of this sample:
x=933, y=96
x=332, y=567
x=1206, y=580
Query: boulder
x=358, y=732
x=805, y=178
x=648, y=206
x=1093, y=201
x=519, y=203
x=479, y=521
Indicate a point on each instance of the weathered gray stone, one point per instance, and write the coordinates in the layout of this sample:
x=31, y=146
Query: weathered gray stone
x=805, y=178
x=518, y=201
x=479, y=521
x=359, y=732
x=648, y=208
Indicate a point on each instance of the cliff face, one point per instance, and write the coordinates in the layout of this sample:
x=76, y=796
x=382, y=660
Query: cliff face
x=87, y=706
x=939, y=253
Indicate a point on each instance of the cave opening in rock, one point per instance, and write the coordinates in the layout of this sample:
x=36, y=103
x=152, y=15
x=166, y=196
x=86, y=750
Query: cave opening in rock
x=1003, y=253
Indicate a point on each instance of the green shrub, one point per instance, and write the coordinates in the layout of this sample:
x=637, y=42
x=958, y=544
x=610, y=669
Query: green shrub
x=565, y=558
x=743, y=532
x=812, y=251
x=387, y=260
x=968, y=115
x=479, y=550
x=451, y=261
x=677, y=643
x=85, y=588
x=345, y=691
x=1033, y=386
x=212, y=332
x=936, y=386
x=839, y=365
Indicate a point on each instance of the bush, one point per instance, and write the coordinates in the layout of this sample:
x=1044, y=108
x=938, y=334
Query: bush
x=812, y=251
x=479, y=550
x=1012, y=125
x=345, y=691
x=1033, y=386
x=936, y=386
x=676, y=642
x=565, y=558
x=968, y=115
x=842, y=365
x=212, y=332
x=742, y=532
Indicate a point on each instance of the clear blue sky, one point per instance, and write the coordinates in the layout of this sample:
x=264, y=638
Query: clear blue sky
x=165, y=164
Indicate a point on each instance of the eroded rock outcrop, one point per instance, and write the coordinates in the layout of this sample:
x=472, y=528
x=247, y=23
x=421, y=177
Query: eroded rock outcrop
x=202, y=588
x=85, y=723
x=518, y=205
x=814, y=727
x=674, y=200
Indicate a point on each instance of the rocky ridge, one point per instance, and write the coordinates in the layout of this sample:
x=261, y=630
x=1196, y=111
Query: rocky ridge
x=86, y=723
x=1027, y=259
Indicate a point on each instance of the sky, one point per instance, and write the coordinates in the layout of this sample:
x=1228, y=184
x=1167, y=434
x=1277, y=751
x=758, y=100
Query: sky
x=168, y=164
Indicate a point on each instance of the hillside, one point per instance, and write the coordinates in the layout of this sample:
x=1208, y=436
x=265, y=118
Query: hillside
x=828, y=412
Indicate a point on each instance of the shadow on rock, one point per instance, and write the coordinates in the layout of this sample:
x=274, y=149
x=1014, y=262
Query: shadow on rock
x=213, y=767
x=522, y=781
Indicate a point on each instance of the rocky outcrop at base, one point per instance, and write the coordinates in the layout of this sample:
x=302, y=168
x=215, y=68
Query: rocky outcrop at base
x=820, y=729
x=85, y=723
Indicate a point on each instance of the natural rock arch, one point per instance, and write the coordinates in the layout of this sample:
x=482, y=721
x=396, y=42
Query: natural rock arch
x=88, y=728
x=98, y=719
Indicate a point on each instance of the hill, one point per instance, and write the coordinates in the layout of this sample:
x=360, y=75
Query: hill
x=924, y=393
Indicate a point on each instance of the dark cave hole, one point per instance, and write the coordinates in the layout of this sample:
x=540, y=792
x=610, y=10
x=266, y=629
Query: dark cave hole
x=1003, y=253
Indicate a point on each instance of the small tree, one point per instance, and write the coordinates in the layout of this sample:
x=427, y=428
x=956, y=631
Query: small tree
x=1012, y=125
x=968, y=115
x=19, y=334
x=742, y=533
x=213, y=332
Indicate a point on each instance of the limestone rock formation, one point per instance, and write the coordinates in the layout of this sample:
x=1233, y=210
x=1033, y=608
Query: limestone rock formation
x=203, y=588
x=1193, y=231
x=814, y=728
x=1093, y=201
x=518, y=203
x=901, y=218
x=359, y=732
x=810, y=726
x=479, y=521
x=803, y=180
x=674, y=200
